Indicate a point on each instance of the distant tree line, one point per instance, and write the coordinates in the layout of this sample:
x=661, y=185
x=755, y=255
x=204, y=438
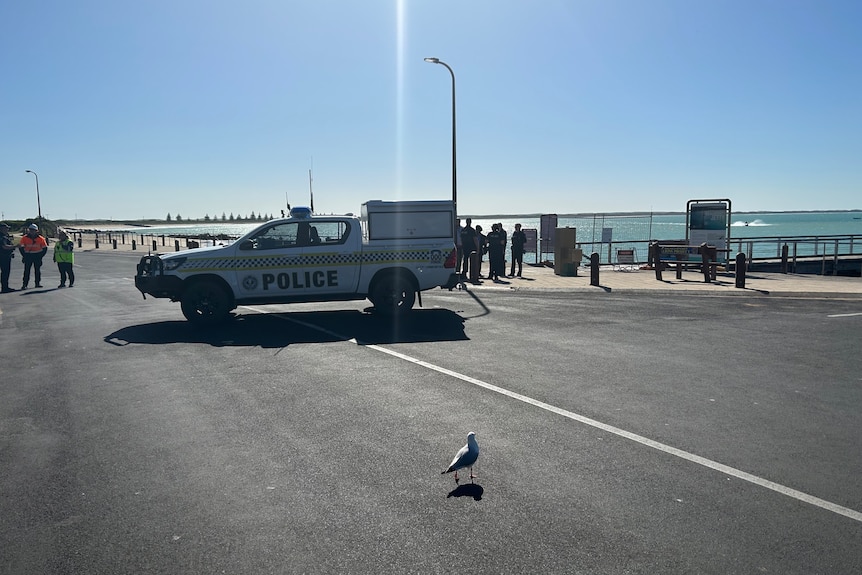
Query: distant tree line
x=224, y=218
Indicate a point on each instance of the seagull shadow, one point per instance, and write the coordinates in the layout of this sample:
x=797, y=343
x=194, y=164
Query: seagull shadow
x=473, y=490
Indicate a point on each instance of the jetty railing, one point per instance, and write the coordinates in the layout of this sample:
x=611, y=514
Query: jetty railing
x=760, y=248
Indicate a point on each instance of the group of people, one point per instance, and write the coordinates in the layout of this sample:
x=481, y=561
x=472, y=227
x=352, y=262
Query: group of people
x=472, y=241
x=33, y=246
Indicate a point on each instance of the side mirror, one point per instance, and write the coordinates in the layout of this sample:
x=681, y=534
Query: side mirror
x=246, y=245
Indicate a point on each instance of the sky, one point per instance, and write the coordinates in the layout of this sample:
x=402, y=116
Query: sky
x=139, y=110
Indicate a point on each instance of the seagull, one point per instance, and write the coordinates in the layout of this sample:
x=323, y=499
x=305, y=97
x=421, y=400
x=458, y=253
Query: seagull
x=465, y=457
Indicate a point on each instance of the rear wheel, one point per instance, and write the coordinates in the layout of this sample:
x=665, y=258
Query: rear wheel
x=205, y=303
x=393, y=295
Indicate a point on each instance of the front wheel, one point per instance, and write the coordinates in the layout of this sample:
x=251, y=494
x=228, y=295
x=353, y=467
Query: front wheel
x=205, y=303
x=393, y=295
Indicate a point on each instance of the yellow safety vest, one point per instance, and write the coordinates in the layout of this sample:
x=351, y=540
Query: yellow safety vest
x=63, y=252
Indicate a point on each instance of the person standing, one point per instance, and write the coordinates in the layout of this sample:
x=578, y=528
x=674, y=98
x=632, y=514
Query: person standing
x=64, y=256
x=468, y=247
x=495, y=252
x=519, y=240
x=7, y=252
x=481, y=249
x=459, y=251
x=504, y=239
x=33, y=248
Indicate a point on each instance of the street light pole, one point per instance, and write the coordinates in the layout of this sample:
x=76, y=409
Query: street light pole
x=454, y=156
x=38, y=201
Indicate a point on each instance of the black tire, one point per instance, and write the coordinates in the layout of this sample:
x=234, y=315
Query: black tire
x=205, y=303
x=393, y=295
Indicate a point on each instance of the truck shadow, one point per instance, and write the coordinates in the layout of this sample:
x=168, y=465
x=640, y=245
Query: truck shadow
x=277, y=330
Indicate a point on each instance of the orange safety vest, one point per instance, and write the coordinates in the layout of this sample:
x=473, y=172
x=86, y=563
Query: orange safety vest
x=33, y=245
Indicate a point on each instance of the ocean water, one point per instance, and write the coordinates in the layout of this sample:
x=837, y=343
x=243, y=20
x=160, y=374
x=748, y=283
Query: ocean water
x=642, y=227
x=626, y=230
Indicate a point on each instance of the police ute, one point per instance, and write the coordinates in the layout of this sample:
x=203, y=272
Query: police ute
x=391, y=253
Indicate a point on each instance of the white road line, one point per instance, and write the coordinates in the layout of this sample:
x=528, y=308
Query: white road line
x=844, y=314
x=726, y=469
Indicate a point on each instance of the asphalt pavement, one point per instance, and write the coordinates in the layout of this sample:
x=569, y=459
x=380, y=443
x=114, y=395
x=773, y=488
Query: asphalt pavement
x=648, y=427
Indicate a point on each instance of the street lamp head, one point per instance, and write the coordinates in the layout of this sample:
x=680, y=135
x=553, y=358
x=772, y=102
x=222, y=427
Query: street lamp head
x=433, y=60
x=29, y=171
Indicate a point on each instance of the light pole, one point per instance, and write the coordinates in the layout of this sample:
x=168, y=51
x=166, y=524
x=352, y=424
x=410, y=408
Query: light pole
x=38, y=201
x=454, y=156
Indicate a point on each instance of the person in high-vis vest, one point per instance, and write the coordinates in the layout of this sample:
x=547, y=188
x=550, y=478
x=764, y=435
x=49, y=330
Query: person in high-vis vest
x=33, y=248
x=65, y=259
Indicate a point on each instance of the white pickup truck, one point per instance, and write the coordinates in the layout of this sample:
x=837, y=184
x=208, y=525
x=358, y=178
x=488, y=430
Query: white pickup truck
x=393, y=251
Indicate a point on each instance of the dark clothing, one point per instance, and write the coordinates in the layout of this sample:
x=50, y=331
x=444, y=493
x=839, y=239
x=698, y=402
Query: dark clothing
x=459, y=252
x=33, y=261
x=66, y=272
x=5, y=270
x=519, y=239
x=482, y=243
x=5, y=240
x=496, y=254
x=501, y=262
x=5, y=261
x=468, y=248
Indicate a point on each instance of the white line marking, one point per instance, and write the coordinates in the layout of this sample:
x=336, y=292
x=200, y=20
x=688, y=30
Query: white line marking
x=733, y=472
x=844, y=314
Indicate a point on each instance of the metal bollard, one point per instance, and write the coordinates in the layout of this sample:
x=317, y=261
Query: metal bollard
x=155, y=246
x=115, y=243
x=656, y=261
x=163, y=239
x=176, y=245
x=705, y=261
x=134, y=245
x=79, y=241
x=594, y=269
x=740, y=270
x=97, y=241
x=474, y=268
x=784, y=259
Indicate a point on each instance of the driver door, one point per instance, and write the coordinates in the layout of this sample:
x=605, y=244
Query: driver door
x=270, y=263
